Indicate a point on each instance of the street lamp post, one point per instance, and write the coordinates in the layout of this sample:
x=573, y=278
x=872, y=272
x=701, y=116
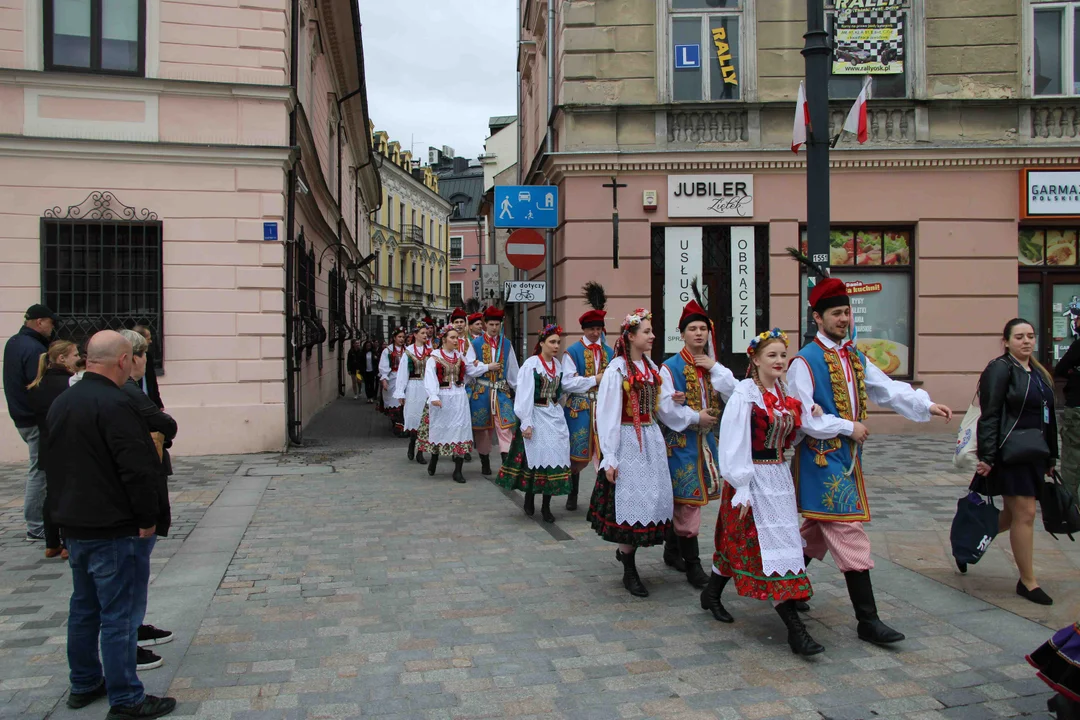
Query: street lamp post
x=818, y=56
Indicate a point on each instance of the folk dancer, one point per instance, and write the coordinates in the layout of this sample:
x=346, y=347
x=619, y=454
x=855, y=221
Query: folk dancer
x=631, y=503
x=757, y=531
x=539, y=456
x=587, y=358
x=459, y=319
x=827, y=468
x=491, y=398
x=694, y=384
x=446, y=428
x=476, y=326
x=409, y=390
x=388, y=370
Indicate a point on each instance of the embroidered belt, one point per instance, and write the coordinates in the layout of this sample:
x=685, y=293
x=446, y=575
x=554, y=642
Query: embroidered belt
x=497, y=385
x=590, y=395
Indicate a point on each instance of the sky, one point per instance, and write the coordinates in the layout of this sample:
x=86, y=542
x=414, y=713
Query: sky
x=438, y=69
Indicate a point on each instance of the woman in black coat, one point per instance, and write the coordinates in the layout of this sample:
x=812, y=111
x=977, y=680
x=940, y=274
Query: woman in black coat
x=55, y=369
x=1016, y=397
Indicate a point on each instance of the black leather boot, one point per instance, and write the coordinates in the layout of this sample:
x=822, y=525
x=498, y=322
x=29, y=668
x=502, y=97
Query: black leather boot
x=468, y=457
x=630, y=578
x=801, y=605
x=545, y=510
x=412, y=447
x=797, y=635
x=485, y=465
x=672, y=554
x=433, y=463
x=458, y=477
x=710, y=598
x=571, y=499
x=420, y=457
x=530, y=504
x=504, y=456
x=861, y=592
x=688, y=547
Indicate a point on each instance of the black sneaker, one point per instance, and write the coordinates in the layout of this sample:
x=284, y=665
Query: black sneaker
x=146, y=660
x=77, y=701
x=150, y=636
x=35, y=537
x=150, y=707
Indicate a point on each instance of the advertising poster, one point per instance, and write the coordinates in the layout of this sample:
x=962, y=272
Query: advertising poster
x=868, y=37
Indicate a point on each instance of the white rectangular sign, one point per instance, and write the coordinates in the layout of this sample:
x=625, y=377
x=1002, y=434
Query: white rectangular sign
x=711, y=196
x=743, y=289
x=1052, y=193
x=682, y=263
x=526, y=292
x=489, y=281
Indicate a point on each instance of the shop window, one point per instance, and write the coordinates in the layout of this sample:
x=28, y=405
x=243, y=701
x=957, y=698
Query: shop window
x=706, y=50
x=869, y=41
x=1055, y=48
x=1049, y=277
x=876, y=265
x=456, y=242
x=99, y=36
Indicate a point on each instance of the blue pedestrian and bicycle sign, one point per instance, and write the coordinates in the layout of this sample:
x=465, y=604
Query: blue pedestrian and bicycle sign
x=526, y=206
x=687, y=57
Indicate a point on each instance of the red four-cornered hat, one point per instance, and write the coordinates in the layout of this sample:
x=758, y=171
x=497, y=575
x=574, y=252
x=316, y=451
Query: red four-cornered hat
x=493, y=313
x=829, y=293
x=592, y=318
x=458, y=314
x=693, y=311
x=475, y=317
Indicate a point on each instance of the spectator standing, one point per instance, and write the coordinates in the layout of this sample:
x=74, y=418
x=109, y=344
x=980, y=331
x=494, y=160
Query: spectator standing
x=107, y=484
x=21, y=356
x=369, y=368
x=352, y=365
x=1068, y=369
x=149, y=382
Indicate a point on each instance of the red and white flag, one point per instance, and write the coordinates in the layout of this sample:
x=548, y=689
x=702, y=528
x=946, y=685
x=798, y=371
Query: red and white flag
x=856, y=119
x=802, y=119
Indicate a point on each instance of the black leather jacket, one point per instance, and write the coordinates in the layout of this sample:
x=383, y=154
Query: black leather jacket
x=1002, y=389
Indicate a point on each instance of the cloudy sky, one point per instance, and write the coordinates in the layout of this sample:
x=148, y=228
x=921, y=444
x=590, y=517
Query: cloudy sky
x=438, y=69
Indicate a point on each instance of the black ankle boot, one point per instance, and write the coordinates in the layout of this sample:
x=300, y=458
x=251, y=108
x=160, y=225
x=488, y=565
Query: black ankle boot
x=433, y=463
x=571, y=499
x=797, y=635
x=412, y=447
x=672, y=555
x=710, y=598
x=420, y=457
x=545, y=510
x=458, y=477
x=468, y=457
x=530, y=504
x=688, y=547
x=485, y=465
x=861, y=592
x=630, y=578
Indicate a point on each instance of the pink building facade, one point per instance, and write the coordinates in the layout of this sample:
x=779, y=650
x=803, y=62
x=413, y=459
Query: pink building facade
x=190, y=167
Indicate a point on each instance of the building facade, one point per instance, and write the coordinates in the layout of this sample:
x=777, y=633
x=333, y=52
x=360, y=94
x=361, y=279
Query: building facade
x=473, y=270
x=945, y=223
x=411, y=242
x=201, y=169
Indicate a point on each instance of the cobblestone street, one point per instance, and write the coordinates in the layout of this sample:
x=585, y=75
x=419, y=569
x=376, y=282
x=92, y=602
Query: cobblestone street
x=341, y=581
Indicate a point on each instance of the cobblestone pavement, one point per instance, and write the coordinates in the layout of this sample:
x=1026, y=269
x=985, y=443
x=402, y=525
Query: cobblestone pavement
x=341, y=581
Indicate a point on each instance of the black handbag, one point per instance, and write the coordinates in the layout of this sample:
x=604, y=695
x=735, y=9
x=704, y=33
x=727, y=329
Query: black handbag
x=1026, y=445
x=974, y=527
x=1060, y=510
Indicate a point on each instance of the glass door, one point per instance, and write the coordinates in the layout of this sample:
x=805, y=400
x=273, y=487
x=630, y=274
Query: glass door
x=1064, y=298
x=1030, y=308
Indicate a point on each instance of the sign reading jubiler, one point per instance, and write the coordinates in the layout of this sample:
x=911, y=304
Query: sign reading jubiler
x=711, y=196
x=1051, y=193
x=526, y=206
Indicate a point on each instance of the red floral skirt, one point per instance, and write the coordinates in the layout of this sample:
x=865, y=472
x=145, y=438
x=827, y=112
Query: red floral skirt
x=738, y=556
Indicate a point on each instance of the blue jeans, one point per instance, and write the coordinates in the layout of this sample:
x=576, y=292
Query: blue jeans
x=108, y=601
x=34, y=500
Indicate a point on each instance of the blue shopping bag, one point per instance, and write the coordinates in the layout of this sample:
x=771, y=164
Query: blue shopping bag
x=974, y=527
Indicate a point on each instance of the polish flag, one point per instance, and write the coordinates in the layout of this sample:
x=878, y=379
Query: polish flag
x=802, y=119
x=856, y=119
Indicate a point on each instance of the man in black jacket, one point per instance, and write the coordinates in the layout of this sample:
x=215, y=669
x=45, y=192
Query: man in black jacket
x=108, y=501
x=149, y=383
x=21, y=355
x=1068, y=369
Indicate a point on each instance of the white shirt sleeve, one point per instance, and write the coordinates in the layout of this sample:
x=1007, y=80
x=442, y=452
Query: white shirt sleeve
x=801, y=385
x=511, y=367
x=897, y=396
x=473, y=370
x=571, y=381
x=676, y=417
x=609, y=414
x=523, y=400
x=470, y=356
x=402, y=380
x=723, y=380
x=431, y=379
x=384, y=364
x=734, y=459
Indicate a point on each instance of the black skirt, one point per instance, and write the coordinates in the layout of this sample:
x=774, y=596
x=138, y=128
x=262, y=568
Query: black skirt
x=1014, y=480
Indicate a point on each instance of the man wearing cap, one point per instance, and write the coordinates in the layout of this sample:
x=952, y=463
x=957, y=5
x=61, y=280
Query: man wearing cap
x=589, y=358
x=21, y=355
x=491, y=401
x=827, y=468
x=476, y=325
x=694, y=384
x=459, y=319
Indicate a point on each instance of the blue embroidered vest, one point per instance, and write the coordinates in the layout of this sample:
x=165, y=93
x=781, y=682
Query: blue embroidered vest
x=480, y=398
x=579, y=406
x=690, y=478
x=823, y=486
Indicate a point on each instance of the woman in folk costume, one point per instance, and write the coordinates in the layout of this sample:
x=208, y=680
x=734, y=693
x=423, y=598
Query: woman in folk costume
x=410, y=387
x=631, y=504
x=588, y=359
x=446, y=428
x=491, y=398
x=757, y=531
x=539, y=456
x=388, y=370
x=832, y=373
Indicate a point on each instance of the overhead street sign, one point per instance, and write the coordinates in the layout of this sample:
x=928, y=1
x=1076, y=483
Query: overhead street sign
x=525, y=249
x=526, y=206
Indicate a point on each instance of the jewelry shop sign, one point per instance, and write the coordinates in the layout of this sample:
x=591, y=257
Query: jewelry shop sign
x=1051, y=193
x=711, y=196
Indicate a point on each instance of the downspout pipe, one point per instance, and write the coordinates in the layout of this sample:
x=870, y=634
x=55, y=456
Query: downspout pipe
x=523, y=308
x=292, y=410
x=549, y=261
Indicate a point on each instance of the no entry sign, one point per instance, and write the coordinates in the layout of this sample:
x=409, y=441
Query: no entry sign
x=525, y=249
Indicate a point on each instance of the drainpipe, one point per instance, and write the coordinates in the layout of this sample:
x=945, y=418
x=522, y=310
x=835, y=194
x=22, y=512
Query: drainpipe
x=549, y=261
x=523, y=308
x=292, y=404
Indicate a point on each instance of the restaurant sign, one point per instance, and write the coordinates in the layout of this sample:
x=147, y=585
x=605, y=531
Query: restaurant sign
x=1051, y=193
x=711, y=196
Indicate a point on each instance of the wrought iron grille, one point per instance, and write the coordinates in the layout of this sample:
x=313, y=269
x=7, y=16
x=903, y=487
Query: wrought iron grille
x=101, y=268
x=310, y=330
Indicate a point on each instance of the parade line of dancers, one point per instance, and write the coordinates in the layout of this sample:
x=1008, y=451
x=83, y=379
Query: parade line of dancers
x=662, y=448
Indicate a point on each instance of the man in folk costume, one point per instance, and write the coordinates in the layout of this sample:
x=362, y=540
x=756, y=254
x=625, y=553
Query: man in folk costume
x=491, y=399
x=694, y=386
x=587, y=358
x=459, y=319
x=827, y=469
x=476, y=325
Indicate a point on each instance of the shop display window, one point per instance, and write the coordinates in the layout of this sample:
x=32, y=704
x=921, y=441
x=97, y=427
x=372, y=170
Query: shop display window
x=1049, y=289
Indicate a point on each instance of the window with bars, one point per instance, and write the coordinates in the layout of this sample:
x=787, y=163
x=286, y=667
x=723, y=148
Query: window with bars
x=100, y=275
x=456, y=294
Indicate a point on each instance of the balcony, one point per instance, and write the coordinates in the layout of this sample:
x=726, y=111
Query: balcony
x=411, y=292
x=1048, y=120
x=412, y=235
